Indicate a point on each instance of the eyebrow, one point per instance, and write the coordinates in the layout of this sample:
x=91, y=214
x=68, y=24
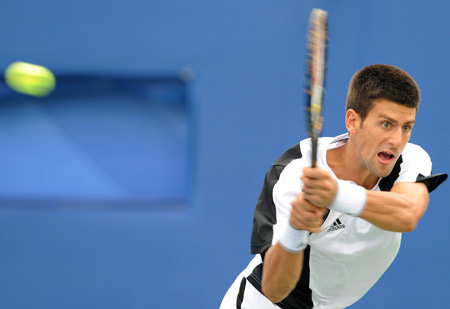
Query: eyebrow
x=395, y=121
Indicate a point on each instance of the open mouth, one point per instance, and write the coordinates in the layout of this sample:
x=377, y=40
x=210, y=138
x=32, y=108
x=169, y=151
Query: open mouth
x=385, y=156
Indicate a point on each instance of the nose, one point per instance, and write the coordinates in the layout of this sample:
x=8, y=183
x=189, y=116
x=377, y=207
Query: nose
x=396, y=138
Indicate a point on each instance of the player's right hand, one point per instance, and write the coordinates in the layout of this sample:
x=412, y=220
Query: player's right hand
x=306, y=216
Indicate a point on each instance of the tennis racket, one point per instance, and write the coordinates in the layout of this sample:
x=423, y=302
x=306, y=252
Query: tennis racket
x=315, y=75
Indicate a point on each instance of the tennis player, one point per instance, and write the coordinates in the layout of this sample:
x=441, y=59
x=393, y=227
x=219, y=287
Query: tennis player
x=323, y=236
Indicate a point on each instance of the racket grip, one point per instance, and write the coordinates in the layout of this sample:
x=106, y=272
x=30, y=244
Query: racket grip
x=313, y=151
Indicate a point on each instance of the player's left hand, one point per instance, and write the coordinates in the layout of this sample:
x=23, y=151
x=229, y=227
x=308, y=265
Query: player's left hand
x=319, y=188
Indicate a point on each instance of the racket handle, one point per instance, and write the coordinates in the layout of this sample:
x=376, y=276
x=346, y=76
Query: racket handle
x=313, y=151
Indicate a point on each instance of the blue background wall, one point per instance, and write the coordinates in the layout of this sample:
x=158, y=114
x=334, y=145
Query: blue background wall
x=244, y=109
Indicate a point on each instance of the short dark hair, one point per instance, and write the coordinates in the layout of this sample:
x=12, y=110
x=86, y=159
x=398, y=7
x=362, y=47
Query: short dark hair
x=381, y=81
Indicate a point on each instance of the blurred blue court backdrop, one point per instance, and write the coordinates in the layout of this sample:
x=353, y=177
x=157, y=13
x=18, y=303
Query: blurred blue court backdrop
x=133, y=185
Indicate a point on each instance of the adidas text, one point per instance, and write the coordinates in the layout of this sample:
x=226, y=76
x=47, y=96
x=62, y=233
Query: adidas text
x=337, y=227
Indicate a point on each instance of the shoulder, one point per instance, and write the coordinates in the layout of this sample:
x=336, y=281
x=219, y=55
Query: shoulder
x=291, y=162
x=413, y=161
x=417, y=163
x=415, y=158
x=301, y=150
x=415, y=152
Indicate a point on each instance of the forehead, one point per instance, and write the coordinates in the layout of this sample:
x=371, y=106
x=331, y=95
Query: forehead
x=400, y=112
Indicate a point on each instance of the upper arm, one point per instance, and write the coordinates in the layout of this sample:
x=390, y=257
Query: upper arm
x=415, y=181
x=416, y=161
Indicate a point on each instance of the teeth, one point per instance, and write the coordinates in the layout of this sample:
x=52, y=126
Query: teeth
x=386, y=154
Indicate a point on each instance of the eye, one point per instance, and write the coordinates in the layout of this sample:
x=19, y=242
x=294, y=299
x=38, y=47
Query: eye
x=386, y=124
x=406, y=128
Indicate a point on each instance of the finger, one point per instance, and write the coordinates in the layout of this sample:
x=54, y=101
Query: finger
x=321, y=212
x=304, y=216
x=314, y=173
x=317, y=184
x=302, y=203
x=314, y=197
x=316, y=207
x=313, y=217
x=310, y=225
x=307, y=226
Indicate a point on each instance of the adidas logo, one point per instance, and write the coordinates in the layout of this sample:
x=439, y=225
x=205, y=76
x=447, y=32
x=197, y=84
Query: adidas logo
x=336, y=226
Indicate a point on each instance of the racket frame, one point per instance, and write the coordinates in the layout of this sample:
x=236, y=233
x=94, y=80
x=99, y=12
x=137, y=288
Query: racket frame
x=315, y=76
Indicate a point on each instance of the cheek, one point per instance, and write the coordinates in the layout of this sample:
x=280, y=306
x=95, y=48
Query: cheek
x=372, y=136
x=372, y=142
x=406, y=138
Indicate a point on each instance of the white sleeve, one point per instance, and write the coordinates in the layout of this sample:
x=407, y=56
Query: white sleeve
x=284, y=193
x=415, y=161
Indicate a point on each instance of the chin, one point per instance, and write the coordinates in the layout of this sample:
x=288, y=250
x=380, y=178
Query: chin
x=381, y=172
x=384, y=174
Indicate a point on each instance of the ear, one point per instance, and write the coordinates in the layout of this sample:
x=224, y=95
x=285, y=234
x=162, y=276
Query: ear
x=352, y=121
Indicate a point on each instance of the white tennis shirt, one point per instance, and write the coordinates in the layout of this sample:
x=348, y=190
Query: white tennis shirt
x=350, y=254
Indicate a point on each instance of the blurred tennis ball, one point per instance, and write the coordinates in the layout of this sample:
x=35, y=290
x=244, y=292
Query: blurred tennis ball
x=30, y=79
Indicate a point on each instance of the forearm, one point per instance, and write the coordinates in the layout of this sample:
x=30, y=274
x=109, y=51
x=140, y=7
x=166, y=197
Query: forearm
x=394, y=211
x=281, y=272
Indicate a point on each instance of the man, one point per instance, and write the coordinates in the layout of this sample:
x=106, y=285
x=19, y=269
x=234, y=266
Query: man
x=323, y=236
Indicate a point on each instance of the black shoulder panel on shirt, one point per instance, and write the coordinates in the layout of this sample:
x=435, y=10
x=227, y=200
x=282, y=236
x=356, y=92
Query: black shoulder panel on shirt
x=262, y=234
x=432, y=181
x=291, y=154
x=387, y=182
x=265, y=212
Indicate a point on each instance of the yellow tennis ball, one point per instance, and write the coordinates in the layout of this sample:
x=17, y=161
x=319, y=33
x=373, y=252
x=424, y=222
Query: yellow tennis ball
x=30, y=79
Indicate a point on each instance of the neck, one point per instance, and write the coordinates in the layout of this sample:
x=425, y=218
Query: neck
x=346, y=165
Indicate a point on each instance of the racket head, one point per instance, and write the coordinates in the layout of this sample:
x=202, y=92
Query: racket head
x=316, y=57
